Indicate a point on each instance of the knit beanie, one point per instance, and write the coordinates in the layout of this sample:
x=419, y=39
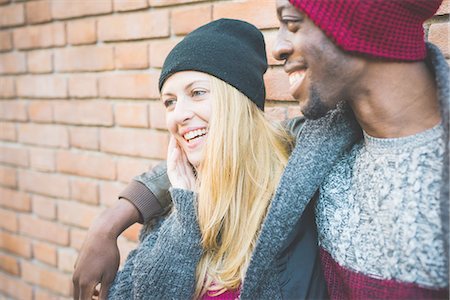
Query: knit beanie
x=391, y=29
x=231, y=50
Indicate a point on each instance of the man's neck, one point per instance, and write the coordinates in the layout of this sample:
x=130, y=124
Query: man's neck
x=396, y=99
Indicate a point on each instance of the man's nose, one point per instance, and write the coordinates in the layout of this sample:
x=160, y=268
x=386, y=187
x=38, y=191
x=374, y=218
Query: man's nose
x=282, y=48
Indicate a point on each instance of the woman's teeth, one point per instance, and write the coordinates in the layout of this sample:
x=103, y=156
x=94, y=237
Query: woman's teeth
x=195, y=134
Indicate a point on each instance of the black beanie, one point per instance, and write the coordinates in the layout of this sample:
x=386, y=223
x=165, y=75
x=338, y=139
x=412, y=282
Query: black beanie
x=231, y=50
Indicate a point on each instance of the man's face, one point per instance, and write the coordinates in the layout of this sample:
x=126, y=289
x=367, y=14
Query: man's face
x=320, y=74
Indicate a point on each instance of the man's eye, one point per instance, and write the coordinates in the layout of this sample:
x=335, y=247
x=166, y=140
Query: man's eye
x=170, y=103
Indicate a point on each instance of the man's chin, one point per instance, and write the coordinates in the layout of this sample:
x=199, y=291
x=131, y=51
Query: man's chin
x=314, y=111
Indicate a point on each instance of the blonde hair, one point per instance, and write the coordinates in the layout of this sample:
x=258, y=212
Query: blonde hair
x=245, y=156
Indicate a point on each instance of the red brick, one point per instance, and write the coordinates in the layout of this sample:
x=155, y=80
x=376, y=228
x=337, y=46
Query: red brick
x=8, y=176
x=84, y=137
x=77, y=237
x=66, y=259
x=14, y=156
x=171, y=2
x=277, y=84
x=137, y=86
x=40, y=36
x=42, y=86
x=143, y=143
x=109, y=192
x=12, y=63
x=15, y=200
x=70, y=9
x=134, y=26
x=127, y=169
x=84, y=191
x=260, y=14
x=40, y=111
x=83, y=86
x=96, y=166
x=84, y=216
x=40, y=61
x=439, y=35
x=81, y=32
x=131, y=114
x=159, y=51
x=15, y=288
x=12, y=15
x=42, y=159
x=131, y=56
x=444, y=8
x=84, y=58
x=125, y=247
x=132, y=232
x=44, y=295
x=157, y=114
x=83, y=112
x=8, y=220
x=7, y=87
x=44, y=207
x=44, y=252
x=38, y=11
x=186, y=19
x=45, y=135
x=47, y=277
x=9, y=264
x=5, y=41
x=44, y=230
x=270, y=38
x=45, y=184
x=13, y=111
x=294, y=111
x=15, y=244
x=126, y=5
x=7, y=131
x=276, y=113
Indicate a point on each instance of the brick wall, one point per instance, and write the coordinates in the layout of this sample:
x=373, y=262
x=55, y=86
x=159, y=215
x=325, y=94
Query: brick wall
x=79, y=117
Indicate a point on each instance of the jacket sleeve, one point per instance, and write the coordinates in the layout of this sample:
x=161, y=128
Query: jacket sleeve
x=164, y=265
x=149, y=193
x=294, y=126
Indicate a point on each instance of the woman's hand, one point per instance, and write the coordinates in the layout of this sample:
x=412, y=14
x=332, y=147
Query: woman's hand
x=179, y=170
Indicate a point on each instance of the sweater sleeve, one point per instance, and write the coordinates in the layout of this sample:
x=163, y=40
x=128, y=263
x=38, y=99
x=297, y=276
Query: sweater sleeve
x=164, y=265
x=149, y=193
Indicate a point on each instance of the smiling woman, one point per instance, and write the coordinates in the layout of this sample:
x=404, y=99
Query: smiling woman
x=225, y=160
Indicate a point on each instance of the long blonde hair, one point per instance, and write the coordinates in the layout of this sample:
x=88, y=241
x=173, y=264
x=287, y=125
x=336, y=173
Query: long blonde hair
x=245, y=155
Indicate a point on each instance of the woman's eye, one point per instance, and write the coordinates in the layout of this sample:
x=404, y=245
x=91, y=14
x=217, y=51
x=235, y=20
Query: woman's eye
x=198, y=93
x=170, y=103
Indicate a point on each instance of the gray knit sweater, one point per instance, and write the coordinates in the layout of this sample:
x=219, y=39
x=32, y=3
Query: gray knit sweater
x=163, y=266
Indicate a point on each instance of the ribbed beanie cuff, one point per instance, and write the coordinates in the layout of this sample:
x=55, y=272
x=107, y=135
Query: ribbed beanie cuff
x=390, y=29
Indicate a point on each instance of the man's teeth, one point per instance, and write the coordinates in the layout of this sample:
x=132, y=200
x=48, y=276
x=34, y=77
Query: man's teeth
x=296, y=77
x=195, y=133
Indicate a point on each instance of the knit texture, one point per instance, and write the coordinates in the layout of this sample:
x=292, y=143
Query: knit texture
x=231, y=50
x=391, y=29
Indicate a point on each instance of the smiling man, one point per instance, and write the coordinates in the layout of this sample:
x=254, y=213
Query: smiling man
x=380, y=200
x=382, y=211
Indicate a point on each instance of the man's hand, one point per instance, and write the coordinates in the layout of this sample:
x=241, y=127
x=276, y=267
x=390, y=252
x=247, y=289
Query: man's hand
x=99, y=257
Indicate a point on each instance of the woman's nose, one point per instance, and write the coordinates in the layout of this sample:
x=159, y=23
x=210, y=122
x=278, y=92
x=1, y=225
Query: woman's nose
x=182, y=111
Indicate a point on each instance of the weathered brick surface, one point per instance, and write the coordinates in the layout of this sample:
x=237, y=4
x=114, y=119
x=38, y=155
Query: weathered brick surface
x=134, y=26
x=80, y=116
x=38, y=11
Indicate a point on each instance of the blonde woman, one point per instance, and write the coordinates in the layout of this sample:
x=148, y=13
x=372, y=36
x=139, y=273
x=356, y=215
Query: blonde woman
x=224, y=163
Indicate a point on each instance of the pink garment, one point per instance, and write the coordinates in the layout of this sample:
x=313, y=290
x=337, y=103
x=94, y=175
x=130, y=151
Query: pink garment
x=228, y=295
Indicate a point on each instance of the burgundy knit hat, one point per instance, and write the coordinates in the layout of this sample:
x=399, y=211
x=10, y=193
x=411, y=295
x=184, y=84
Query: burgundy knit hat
x=391, y=29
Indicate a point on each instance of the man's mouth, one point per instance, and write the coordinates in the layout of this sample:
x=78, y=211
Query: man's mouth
x=296, y=77
x=296, y=80
x=193, y=135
